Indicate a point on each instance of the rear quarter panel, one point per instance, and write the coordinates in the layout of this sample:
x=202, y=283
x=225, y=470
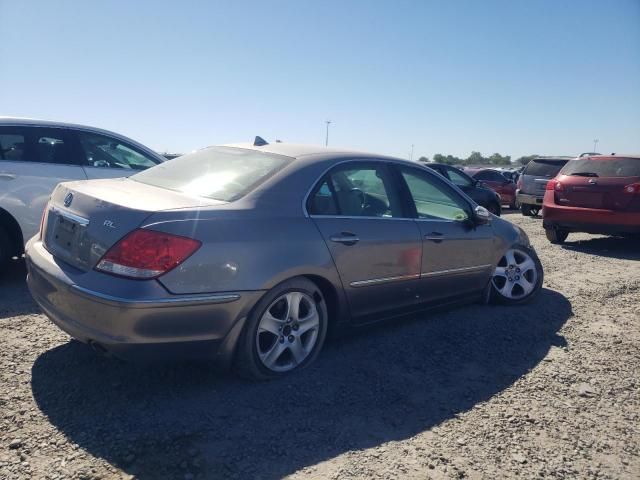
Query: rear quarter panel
x=246, y=252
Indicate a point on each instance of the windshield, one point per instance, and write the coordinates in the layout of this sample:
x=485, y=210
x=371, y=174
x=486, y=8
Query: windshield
x=544, y=167
x=220, y=173
x=594, y=167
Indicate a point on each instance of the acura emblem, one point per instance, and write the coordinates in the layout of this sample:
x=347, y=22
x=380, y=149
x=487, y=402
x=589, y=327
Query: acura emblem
x=68, y=199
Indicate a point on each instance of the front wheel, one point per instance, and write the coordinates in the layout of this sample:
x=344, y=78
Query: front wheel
x=526, y=210
x=285, y=331
x=556, y=236
x=517, y=277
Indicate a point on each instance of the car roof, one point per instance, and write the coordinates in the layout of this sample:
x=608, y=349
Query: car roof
x=33, y=122
x=611, y=157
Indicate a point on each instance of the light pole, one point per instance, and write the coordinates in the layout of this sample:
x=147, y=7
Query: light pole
x=595, y=145
x=326, y=140
x=411, y=157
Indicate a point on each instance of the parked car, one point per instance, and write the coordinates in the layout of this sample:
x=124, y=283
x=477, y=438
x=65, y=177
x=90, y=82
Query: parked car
x=250, y=253
x=480, y=193
x=599, y=194
x=533, y=181
x=505, y=187
x=37, y=155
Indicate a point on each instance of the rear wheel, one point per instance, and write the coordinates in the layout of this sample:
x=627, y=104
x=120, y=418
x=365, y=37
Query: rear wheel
x=285, y=331
x=526, y=210
x=556, y=236
x=534, y=210
x=494, y=208
x=517, y=277
x=5, y=247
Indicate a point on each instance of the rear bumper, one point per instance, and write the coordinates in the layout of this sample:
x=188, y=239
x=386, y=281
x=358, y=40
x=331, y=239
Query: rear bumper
x=137, y=327
x=528, y=199
x=589, y=220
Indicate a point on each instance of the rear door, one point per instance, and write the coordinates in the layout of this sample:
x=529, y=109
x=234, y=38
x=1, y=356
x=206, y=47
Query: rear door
x=33, y=160
x=359, y=212
x=103, y=156
x=457, y=255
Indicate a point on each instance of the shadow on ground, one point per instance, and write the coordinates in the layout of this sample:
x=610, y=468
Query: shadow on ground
x=612, y=247
x=386, y=383
x=15, y=298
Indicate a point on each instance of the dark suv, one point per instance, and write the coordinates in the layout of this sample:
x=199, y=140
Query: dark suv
x=475, y=189
x=533, y=181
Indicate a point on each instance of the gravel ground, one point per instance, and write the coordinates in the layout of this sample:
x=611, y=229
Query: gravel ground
x=550, y=389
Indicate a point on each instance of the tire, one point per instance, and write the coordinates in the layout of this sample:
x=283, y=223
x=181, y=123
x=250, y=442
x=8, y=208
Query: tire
x=535, y=210
x=6, y=252
x=518, y=276
x=526, y=210
x=494, y=208
x=556, y=236
x=268, y=341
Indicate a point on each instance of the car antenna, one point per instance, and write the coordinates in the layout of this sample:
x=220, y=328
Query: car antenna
x=260, y=142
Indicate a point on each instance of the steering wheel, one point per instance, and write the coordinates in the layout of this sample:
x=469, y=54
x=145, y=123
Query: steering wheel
x=363, y=197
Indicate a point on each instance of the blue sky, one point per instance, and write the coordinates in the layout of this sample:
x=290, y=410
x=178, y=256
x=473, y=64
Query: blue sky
x=514, y=77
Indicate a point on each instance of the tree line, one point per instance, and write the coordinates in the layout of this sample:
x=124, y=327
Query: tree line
x=476, y=158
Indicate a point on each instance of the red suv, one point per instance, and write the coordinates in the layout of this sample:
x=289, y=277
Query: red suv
x=595, y=194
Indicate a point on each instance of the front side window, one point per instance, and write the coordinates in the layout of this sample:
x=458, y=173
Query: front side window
x=219, y=173
x=12, y=145
x=458, y=178
x=356, y=190
x=108, y=152
x=433, y=200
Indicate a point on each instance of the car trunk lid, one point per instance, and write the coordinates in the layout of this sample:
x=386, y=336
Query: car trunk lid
x=84, y=219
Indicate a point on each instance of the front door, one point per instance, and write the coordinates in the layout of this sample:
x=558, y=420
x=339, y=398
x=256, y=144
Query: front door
x=376, y=249
x=457, y=254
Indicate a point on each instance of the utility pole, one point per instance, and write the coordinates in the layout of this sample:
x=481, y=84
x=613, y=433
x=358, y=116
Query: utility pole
x=595, y=145
x=326, y=140
x=411, y=157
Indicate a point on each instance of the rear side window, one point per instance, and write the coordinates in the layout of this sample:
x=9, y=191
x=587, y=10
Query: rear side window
x=614, y=167
x=357, y=189
x=544, y=168
x=490, y=176
x=35, y=144
x=220, y=173
x=12, y=146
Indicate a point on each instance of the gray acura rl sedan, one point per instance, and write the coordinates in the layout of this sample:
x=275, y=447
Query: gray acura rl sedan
x=249, y=254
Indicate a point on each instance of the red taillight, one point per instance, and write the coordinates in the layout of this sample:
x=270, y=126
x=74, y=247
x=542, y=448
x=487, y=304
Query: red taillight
x=555, y=185
x=147, y=254
x=633, y=188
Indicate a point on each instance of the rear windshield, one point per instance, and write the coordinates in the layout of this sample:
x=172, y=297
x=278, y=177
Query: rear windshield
x=544, y=167
x=614, y=167
x=220, y=173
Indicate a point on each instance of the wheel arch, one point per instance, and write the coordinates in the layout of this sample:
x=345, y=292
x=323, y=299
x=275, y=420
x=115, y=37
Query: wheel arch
x=14, y=231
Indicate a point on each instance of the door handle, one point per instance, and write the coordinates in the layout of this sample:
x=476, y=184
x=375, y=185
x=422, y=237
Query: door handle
x=436, y=237
x=346, y=238
x=7, y=176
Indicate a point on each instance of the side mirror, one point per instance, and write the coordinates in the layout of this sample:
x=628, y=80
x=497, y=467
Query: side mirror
x=481, y=215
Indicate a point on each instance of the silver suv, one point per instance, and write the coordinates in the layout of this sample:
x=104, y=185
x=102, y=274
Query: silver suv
x=533, y=181
x=36, y=155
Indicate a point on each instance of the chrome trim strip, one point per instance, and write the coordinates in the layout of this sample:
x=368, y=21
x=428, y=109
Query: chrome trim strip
x=374, y=281
x=70, y=216
x=155, y=303
x=456, y=270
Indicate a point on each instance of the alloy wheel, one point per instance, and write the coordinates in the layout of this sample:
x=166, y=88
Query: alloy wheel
x=516, y=275
x=287, y=331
